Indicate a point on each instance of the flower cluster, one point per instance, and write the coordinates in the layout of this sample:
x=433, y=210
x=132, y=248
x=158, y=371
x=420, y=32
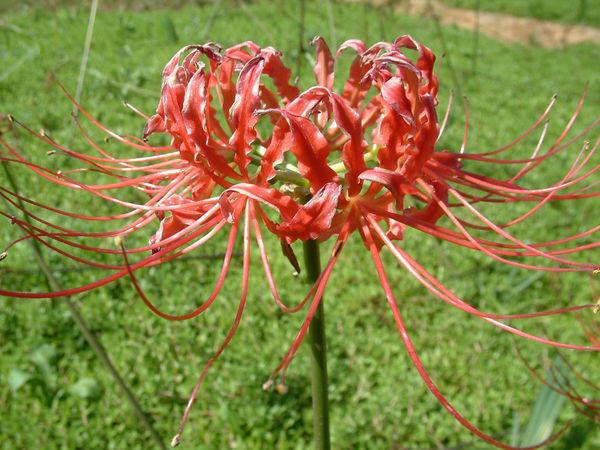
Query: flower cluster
x=250, y=150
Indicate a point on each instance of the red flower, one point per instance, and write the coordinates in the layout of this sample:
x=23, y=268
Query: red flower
x=243, y=139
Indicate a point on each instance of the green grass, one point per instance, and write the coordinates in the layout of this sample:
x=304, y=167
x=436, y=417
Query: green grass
x=585, y=12
x=378, y=400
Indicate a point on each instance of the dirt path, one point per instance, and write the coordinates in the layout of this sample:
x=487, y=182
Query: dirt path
x=498, y=26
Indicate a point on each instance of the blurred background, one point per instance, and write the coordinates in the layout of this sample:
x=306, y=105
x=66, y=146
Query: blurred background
x=508, y=57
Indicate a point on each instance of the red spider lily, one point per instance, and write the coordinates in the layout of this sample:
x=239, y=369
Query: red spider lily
x=244, y=139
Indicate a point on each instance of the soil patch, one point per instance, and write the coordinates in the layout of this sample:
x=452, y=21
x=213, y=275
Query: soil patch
x=498, y=26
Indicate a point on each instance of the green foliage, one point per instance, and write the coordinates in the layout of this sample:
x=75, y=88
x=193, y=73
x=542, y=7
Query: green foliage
x=546, y=409
x=378, y=400
x=571, y=12
x=86, y=388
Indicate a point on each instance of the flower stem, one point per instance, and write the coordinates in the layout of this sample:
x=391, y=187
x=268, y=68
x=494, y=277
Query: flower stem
x=318, y=352
x=83, y=326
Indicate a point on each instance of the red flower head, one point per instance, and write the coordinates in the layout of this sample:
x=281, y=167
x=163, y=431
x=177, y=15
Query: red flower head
x=249, y=150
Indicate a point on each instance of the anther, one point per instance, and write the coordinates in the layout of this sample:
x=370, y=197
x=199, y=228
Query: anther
x=281, y=388
x=288, y=252
x=176, y=440
x=50, y=152
x=337, y=249
x=3, y=256
x=119, y=241
x=267, y=385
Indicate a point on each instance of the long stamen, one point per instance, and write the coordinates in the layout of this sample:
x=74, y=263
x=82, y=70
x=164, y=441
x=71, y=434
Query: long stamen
x=238, y=317
x=417, y=361
x=338, y=246
x=218, y=285
x=269, y=275
x=438, y=289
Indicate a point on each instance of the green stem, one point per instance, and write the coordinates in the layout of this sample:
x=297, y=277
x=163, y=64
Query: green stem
x=301, y=30
x=85, y=330
x=318, y=352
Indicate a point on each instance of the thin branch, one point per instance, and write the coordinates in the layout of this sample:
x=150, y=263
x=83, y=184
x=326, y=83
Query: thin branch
x=331, y=23
x=264, y=28
x=475, y=55
x=211, y=20
x=301, y=31
x=442, y=37
x=85, y=330
x=86, y=53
